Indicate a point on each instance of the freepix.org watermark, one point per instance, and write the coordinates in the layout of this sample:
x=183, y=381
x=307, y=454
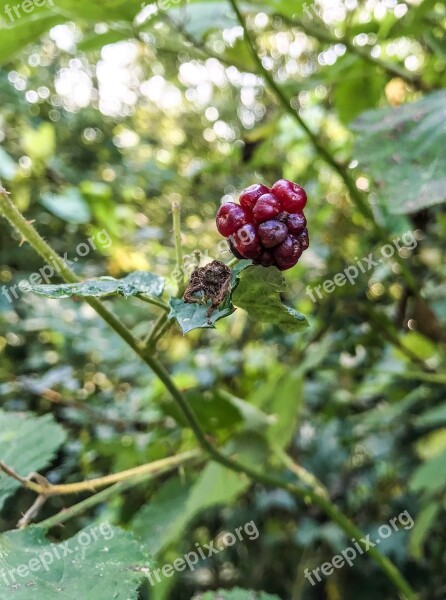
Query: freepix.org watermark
x=101, y=239
x=55, y=552
x=407, y=241
x=204, y=551
x=347, y=556
x=19, y=10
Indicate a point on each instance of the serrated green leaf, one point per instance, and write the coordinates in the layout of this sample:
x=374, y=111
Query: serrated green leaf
x=237, y=594
x=402, y=150
x=138, y=282
x=106, y=564
x=193, y=316
x=27, y=443
x=259, y=294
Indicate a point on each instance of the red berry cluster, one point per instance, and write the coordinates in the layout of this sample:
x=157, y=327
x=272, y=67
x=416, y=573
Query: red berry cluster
x=268, y=226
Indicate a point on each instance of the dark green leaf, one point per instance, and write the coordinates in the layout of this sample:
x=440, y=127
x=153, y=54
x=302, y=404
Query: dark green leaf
x=193, y=316
x=27, y=443
x=220, y=410
x=402, y=150
x=259, y=294
x=101, y=562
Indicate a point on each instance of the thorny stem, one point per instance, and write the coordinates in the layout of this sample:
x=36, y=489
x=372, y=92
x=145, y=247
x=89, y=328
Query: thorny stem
x=307, y=495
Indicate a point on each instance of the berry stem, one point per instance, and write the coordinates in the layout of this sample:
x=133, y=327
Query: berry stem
x=233, y=262
x=305, y=494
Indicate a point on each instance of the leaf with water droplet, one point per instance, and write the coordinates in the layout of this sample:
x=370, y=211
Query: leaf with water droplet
x=74, y=575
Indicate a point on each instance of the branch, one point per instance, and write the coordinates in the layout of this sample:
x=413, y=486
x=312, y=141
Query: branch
x=42, y=486
x=305, y=495
x=346, y=525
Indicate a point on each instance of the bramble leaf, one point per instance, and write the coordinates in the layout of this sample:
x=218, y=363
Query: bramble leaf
x=138, y=282
x=110, y=561
x=402, y=150
x=27, y=443
x=259, y=294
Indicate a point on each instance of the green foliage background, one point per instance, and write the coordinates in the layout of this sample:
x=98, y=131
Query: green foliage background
x=111, y=111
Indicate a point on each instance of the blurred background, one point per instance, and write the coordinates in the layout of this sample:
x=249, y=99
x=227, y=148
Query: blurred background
x=109, y=112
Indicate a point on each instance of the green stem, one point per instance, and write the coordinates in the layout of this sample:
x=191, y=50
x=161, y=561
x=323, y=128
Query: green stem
x=233, y=262
x=176, y=214
x=324, y=502
x=30, y=234
x=152, y=336
x=79, y=508
x=154, y=301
